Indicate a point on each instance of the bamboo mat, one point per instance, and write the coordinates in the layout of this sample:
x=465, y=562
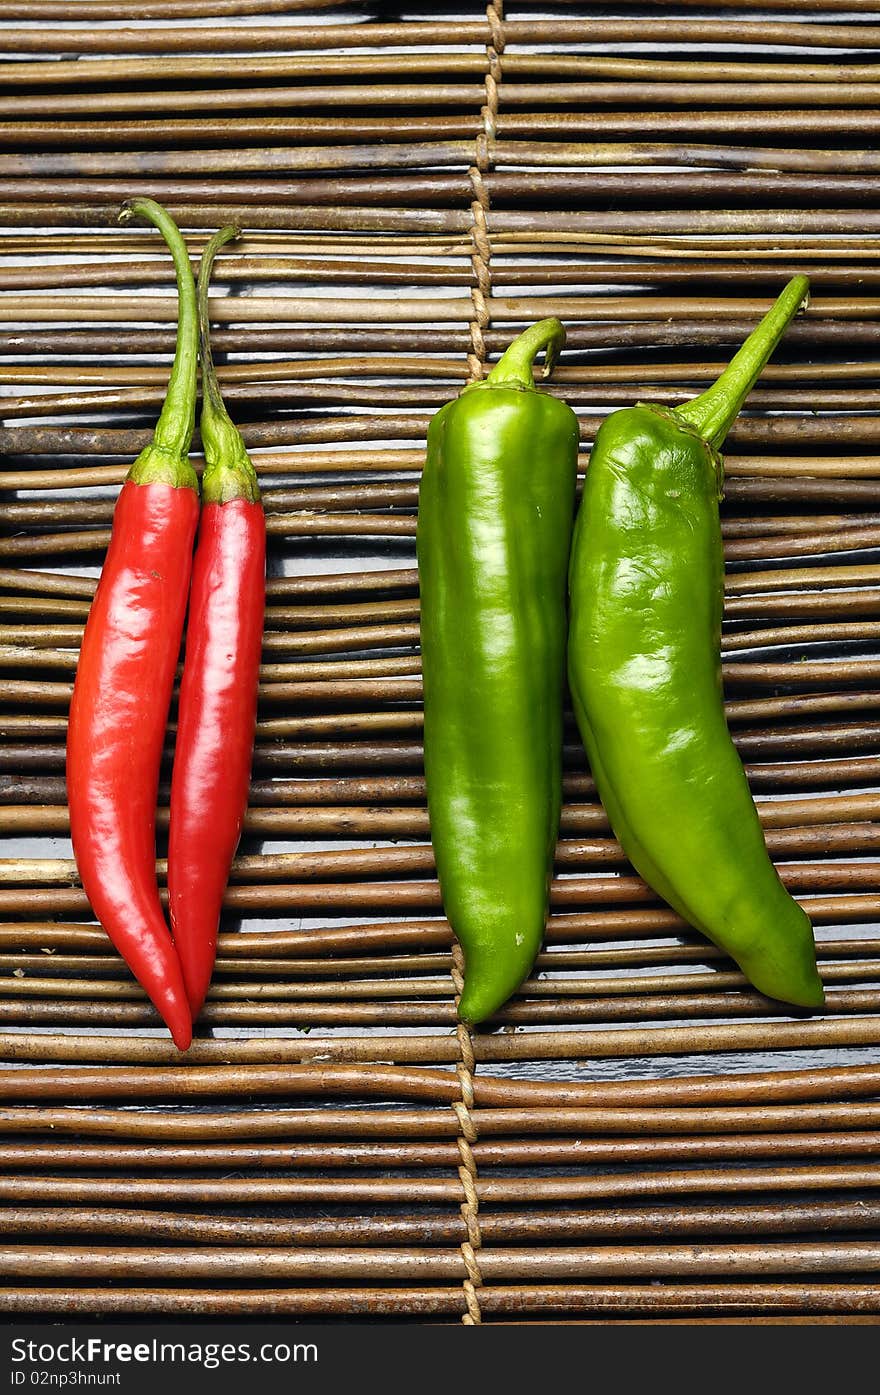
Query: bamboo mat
x=638, y=1135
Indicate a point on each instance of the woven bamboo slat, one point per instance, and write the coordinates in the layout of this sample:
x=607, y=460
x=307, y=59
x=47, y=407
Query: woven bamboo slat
x=144, y=1157
x=638, y=1135
x=849, y=1301
x=637, y=1222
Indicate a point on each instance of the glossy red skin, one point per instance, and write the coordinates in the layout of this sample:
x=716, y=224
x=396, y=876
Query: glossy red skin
x=217, y=716
x=116, y=732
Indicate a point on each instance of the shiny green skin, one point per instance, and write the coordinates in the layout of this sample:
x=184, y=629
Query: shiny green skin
x=496, y=507
x=646, y=595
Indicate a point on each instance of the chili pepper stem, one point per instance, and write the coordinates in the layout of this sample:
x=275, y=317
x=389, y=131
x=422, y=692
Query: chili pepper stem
x=165, y=460
x=229, y=473
x=515, y=368
x=713, y=413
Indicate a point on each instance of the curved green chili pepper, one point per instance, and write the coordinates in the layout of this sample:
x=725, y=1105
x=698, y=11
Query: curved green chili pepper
x=646, y=593
x=495, y=514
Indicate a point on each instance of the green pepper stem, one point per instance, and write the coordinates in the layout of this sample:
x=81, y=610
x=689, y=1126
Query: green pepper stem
x=713, y=413
x=177, y=419
x=515, y=368
x=229, y=473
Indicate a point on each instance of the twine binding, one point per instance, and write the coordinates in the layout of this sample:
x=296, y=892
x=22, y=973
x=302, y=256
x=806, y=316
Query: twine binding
x=480, y=295
x=468, y=1170
x=484, y=145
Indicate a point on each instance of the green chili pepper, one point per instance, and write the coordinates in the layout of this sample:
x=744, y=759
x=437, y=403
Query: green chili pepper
x=646, y=594
x=496, y=507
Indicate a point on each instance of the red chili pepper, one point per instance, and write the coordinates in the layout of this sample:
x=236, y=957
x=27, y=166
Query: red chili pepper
x=217, y=712
x=126, y=669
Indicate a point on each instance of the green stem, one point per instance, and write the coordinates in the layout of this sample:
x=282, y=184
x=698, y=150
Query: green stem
x=515, y=368
x=713, y=413
x=212, y=399
x=161, y=461
x=229, y=473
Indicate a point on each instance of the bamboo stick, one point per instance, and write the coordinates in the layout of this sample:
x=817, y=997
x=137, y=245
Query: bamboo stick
x=294, y=511
x=169, y=9
x=693, y=986
x=853, y=1302
x=257, y=68
x=405, y=580
x=778, y=1089
x=406, y=366
x=857, y=1004
x=282, y=394
x=689, y=333
x=417, y=859
x=314, y=757
x=407, y=688
x=433, y=1191
x=811, y=222
x=400, y=821
x=788, y=606
x=373, y=582
x=269, y=216
x=273, y=97
x=332, y=950
x=278, y=255
x=338, y=682
x=707, y=188
x=413, y=896
x=418, y=936
x=618, y=1043
x=261, y=309
x=600, y=129
x=650, y=94
x=165, y=9
x=299, y=38
x=308, y=523
x=826, y=7
x=58, y=1262
x=394, y=790
x=53, y=948
x=817, y=483
x=643, y=1222
x=693, y=124
x=187, y=9
x=56, y=646
x=843, y=431
x=433, y=1153
x=850, y=1256
x=78, y=975
x=342, y=129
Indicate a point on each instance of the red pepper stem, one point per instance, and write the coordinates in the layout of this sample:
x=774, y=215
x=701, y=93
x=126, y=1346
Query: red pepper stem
x=229, y=473
x=210, y=387
x=165, y=460
x=515, y=368
x=713, y=413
